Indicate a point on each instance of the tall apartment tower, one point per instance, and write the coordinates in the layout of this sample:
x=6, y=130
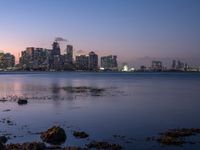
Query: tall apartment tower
x=93, y=61
x=55, y=48
x=69, y=52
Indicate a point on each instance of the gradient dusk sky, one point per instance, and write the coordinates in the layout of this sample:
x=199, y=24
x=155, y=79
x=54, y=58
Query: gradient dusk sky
x=128, y=28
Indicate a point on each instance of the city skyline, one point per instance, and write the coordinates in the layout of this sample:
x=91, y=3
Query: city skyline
x=129, y=29
x=44, y=59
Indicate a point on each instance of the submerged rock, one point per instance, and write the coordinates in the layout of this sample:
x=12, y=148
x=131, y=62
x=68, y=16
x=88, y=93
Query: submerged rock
x=104, y=145
x=26, y=146
x=6, y=110
x=22, y=101
x=177, y=136
x=168, y=140
x=3, y=100
x=54, y=135
x=3, y=139
x=93, y=91
x=81, y=134
x=72, y=148
x=2, y=147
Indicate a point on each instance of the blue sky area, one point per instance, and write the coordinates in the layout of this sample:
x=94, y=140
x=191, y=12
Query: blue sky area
x=130, y=29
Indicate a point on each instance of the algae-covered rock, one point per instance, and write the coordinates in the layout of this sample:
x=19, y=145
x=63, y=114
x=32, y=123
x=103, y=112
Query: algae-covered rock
x=54, y=135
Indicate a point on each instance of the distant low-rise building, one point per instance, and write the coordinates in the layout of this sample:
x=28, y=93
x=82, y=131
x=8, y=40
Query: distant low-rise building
x=156, y=66
x=179, y=66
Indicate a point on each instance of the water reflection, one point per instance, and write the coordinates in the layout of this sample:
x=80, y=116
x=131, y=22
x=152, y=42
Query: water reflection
x=150, y=104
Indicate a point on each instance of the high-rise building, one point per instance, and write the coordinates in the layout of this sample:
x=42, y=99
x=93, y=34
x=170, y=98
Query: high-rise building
x=109, y=62
x=69, y=54
x=174, y=64
x=7, y=60
x=35, y=58
x=55, y=48
x=82, y=62
x=55, y=59
x=93, y=61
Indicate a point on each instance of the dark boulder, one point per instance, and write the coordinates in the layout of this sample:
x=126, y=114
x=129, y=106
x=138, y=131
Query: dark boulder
x=54, y=135
x=26, y=146
x=81, y=134
x=3, y=139
x=103, y=145
x=2, y=147
x=72, y=148
x=22, y=101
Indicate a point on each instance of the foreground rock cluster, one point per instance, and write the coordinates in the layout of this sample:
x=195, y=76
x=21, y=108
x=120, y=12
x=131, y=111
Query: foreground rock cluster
x=176, y=136
x=55, y=136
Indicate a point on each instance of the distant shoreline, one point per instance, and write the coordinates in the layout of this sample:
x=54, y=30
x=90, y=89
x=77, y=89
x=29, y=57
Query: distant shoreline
x=99, y=72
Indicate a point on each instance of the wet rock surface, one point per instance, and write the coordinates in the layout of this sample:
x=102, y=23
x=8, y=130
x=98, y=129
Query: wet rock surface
x=93, y=91
x=73, y=148
x=103, y=145
x=80, y=134
x=34, y=146
x=26, y=146
x=22, y=101
x=3, y=139
x=3, y=99
x=176, y=136
x=2, y=147
x=7, y=121
x=54, y=135
x=6, y=110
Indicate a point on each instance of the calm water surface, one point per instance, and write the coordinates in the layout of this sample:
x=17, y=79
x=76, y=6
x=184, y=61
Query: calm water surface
x=137, y=105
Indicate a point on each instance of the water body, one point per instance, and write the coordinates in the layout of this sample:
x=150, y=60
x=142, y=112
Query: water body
x=136, y=105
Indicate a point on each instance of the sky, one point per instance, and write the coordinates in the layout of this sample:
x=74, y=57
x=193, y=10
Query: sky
x=131, y=29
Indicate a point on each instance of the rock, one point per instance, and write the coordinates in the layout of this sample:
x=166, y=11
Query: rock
x=3, y=100
x=26, y=146
x=168, y=140
x=2, y=147
x=54, y=135
x=82, y=134
x=72, y=148
x=6, y=110
x=103, y=145
x=34, y=146
x=22, y=101
x=3, y=139
x=177, y=136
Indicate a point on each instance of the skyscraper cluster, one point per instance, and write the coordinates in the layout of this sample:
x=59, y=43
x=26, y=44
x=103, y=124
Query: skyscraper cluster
x=47, y=59
x=51, y=59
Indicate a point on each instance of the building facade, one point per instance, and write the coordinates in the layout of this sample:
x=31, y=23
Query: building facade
x=7, y=61
x=93, y=61
x=82, y=62
x=109, y=62
x=156, y=66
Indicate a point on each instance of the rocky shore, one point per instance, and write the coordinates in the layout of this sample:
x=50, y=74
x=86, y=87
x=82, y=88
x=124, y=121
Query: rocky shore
x=55, y=136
